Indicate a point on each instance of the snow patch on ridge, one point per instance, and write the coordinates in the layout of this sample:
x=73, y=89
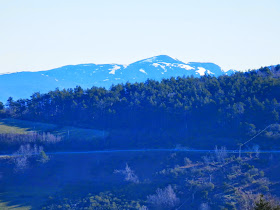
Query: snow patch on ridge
x=143, y=71
x=114, y=69
x=149, y=60
x=209, y=72
x=201, y=71
x=155, y=65
x=159, y=65
x=184, y=66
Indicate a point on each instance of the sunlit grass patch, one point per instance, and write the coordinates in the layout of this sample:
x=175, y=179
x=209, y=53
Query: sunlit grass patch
x=6, y=206
x=11, y=129
x=24, y=126
x=16, y=126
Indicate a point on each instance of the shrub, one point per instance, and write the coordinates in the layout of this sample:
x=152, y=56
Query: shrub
x=164, y=198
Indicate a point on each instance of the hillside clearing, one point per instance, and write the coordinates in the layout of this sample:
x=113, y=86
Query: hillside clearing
x=16, y=126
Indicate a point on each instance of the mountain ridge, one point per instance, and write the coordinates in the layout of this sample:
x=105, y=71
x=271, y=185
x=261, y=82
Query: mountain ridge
x=24, y=84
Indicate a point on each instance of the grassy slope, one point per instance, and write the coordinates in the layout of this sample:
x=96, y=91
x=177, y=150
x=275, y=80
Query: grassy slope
x=23, y=197
x=5, y=206
x=21, y=126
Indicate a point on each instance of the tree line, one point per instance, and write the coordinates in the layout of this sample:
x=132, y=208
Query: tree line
x=227, y=106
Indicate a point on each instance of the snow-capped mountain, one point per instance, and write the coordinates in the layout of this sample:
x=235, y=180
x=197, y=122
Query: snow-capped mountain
x=23, y=84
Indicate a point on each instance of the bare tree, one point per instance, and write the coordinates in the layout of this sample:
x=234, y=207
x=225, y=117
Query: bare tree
x=256, y=149
x=143, y=208
x=187, y=161
x=246, y=199
x=221, y=154
x=29, y=137
x=129, y=174
x=207, y=160
x=198, y=185
x=21, y=163
x=204, y=206
x=164, y=198
x=24, y=154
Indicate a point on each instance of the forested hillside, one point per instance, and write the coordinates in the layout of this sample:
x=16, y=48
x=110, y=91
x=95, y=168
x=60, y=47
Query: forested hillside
x=86, y=148
x=184, y=109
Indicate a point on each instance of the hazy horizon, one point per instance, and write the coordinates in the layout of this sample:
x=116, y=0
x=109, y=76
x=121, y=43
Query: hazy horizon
x=56, y=67
x=237, y=35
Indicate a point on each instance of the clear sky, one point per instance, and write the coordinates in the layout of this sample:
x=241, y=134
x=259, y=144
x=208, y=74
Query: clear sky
x=44, y=34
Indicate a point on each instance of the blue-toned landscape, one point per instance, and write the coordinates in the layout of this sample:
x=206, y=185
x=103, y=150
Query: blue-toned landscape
x=139, y=105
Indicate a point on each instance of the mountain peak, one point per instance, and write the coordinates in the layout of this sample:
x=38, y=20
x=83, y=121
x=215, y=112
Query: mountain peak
x=160, y=58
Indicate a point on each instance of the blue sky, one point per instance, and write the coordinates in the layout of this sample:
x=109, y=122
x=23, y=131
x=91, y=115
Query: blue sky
x=235, y=34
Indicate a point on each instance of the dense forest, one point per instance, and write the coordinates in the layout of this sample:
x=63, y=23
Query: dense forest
x=185, y=108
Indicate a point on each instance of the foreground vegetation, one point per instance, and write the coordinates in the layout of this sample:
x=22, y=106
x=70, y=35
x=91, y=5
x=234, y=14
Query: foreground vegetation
x=212, y=181
x=143, y=181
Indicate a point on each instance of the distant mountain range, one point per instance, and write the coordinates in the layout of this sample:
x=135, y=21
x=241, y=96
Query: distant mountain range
x=23, y=84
